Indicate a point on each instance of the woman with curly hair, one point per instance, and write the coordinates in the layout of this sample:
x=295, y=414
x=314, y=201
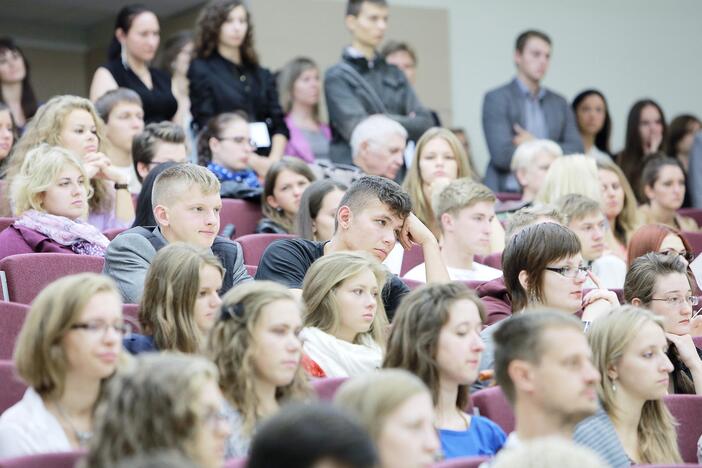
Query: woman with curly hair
x=257, y=350
x=166, y=401
x=225, y=74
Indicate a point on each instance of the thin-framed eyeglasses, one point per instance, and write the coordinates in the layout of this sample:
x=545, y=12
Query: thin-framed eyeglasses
x=100, y=328
x=240, y=140
x=677, y=301
x=689, y=256
x=571, y=272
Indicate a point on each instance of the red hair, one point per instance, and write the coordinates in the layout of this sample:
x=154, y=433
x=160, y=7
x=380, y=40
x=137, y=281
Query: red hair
x=648, y=238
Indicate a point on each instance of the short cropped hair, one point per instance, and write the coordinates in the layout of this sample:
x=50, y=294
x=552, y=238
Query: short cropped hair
x=460, y=194
x=108, y=101
x=144, y=144
x=574, y=207
x=640, y=280
x=526, y=152
x=179, y=178
x=374, y=129
x=369, y=188
x=531, y=215
x=526, y=35
x=397, y=46
x=353, y=7
x=521, y=338
x=39, y=171
x=300, y=435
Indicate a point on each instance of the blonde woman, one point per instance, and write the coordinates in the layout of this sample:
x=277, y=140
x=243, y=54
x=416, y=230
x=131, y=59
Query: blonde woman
x=69, y=345
x=165, y=401
x=180, y=301
x=438, y=159
x=396, y=409
x=71, y=122
x=256, y=347
x=633, y=426
x=570, y=174
x=618, y=205
x=50, y=194
x=345, y=320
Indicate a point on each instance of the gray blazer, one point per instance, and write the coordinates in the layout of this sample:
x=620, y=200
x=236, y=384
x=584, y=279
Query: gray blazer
x=129, y=256
x=502, y=108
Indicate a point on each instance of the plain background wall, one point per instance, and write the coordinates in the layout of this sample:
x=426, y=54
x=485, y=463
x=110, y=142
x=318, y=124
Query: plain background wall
x=627, y=48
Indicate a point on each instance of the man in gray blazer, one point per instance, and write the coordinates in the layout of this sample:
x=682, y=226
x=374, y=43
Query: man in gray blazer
x=522, y=110
x=186, y=205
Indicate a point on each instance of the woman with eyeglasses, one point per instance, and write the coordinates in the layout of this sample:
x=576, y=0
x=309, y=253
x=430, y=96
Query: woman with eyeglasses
x=69, y=346
x=660, y=283
x=543, y=267
x=659, y=238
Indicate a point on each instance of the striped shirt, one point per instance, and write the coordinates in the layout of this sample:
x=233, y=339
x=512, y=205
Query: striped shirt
x=597, y=432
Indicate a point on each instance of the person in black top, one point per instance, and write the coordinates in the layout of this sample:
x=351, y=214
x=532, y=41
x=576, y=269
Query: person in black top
x=225, y=75
x=133, y=46
x=373, y=214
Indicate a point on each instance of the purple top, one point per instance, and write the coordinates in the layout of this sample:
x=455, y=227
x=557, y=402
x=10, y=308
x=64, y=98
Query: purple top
x=298, y=145
x=20, y=240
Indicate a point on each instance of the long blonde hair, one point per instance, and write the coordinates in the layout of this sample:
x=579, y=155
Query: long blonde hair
x=319, y=292
x=570, y=174
x=609, y=337
x=46, y=127
x=230, y=346
x=414, y=184
x=628, y=220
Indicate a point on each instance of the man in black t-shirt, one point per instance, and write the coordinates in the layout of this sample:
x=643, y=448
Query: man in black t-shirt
x=373, y=214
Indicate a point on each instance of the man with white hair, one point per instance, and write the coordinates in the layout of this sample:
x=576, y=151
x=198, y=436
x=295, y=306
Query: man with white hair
x=378, y=145
x=530, y=164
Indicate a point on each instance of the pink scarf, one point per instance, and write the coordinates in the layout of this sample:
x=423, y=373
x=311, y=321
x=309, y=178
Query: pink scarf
x=82, y=238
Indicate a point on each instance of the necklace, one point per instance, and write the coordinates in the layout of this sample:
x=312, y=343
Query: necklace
x=82, y=436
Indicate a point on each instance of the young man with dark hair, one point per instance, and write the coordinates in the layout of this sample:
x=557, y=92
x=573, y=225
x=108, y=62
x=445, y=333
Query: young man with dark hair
x=543, y=363
x=522, y=110
x=159, y=142
x=363, y=84
x=186, y=205
x=373, y=214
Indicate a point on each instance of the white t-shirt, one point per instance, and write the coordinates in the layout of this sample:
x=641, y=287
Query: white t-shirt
x=394, y=259
x=610, y=269
x=479, y=272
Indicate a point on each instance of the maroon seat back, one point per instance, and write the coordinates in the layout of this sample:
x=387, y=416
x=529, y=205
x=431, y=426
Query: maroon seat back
x=242, y=214
x=687, y=409
x=508, y=196
x=326, y=388
x=130, y=313
x=462, y=462
x=492, y=403
x=112, y=233
x=44, y=460
x=698, y=341
x=251, y=269
x=411, y=258
x=695, y=240
x=235, y=463
x=11, y=387
x=493, y=260
x=27, y=274
x=694, y=213
x=5, y=223
x=12, y=317
x=412, y=284
x=253, y=245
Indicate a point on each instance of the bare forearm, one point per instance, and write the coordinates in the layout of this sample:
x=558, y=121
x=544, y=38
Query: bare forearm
x=434, y=263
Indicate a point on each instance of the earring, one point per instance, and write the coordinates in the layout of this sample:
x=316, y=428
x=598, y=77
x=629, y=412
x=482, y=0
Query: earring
x=614, y=387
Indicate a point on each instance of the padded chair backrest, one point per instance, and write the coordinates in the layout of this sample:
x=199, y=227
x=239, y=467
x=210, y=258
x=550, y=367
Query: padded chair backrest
x=253, y=245
x=694, y=213
x=493, y=260
x=492, y=403
x=235, y=463
x=112, y=233
x=698, y=341
x=687, y=409
x=508, y=196
x=695, y=240
x=326, y=388
x=412, y=284
x=251, y=269
x=242, y=214
x=411, y=258
x=131, y=316
x=462, y=462
x=11, y=387
x=53, y=460
x=27, y=274
x=12, y=317
x=5, y=223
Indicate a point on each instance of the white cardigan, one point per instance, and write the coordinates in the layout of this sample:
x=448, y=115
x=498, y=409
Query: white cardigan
x=27, y=428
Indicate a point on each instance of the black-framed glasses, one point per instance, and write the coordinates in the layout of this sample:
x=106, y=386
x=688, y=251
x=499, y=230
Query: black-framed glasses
x=240, y=140
x=677, y=301
x=100, y=328
x=571, y=272
x=689, y=256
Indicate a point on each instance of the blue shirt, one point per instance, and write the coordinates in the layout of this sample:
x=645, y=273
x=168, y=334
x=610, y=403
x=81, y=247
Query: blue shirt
x=483, y=437
x=246, y=176
x=136, y=343
x=534, y=117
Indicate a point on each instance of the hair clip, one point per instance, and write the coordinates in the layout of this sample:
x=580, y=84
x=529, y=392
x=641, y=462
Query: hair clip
x=233, y=310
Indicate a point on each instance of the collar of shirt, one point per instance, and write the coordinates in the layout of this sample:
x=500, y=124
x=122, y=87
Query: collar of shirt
x=527, y=93
x=224, y=174
x=357, y=54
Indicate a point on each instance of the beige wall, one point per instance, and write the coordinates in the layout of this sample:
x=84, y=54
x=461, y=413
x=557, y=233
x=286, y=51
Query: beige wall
x=56, y=72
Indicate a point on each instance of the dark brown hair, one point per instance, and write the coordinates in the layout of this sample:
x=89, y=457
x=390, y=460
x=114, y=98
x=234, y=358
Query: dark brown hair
x=287, y=163
x=124, y=20
x=526, y=35
x=144, y=144
x=214, y=128
x=677, y=130
x=28, y=100
x=602, y=137
x=353, y=7
x=170, y=50
x=652, y=168
x=209, y=23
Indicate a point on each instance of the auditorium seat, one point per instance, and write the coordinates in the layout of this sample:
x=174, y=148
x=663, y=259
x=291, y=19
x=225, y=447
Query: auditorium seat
x=687, y=409
x=695, y=240
x=508, y=196
x=462, y=462
x=12, y=317
x=23, y=276
x=112, y=233
x=254, y=245
x=53, y=460
x=252, y=269
x=6, y=222
x=411, y=258
x=326, y=388
x=242, y=214
x=698, y=341
x=412, y=284
x=694, y=213
x=493, y=260
x=235, y=463
x=11, y=387
x=492, y=403
x=131, y=316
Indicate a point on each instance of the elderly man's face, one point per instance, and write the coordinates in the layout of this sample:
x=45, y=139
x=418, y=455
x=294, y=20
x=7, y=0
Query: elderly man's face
x=382, y=158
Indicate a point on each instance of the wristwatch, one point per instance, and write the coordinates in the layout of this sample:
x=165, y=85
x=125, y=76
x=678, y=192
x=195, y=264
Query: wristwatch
x=121, y=186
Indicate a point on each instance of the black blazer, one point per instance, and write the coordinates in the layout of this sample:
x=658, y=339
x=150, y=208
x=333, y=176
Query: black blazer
x=218, y=85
